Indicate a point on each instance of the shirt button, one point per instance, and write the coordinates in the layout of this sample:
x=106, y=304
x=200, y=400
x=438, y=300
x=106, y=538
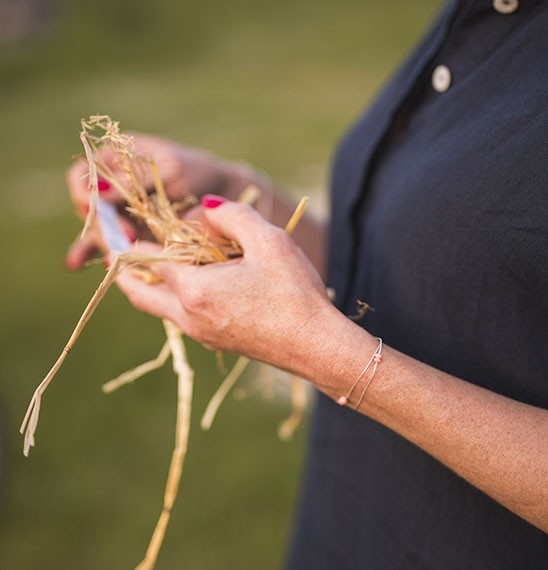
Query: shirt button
x=441, y=78
x=505, y=6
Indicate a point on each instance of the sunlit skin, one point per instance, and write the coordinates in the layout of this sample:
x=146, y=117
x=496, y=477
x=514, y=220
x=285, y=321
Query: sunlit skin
x=271, y=305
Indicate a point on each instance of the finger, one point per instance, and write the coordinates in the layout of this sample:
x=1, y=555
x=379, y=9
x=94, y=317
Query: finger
x=147, y=248
x=77, y=184
x=197, y=214
x=176, y=276
x=80, y=251
x=157, y=300
x=161, y=151
x=128, y=228
x=167, y=270
x=79, y=188
x=241, y=223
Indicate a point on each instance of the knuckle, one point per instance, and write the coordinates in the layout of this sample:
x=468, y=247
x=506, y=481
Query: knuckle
x=245, y=212
x=276, y=238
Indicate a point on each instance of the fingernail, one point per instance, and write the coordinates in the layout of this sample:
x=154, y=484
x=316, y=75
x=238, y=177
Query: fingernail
x=131, y=235
x=106, y=262
x=103, y=185
x=212, y=200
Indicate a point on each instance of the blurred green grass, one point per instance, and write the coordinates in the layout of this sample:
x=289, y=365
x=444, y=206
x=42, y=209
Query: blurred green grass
x=272, y=83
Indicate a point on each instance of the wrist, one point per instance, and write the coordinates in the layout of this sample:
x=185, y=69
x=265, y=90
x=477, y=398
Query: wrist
x=334, y=352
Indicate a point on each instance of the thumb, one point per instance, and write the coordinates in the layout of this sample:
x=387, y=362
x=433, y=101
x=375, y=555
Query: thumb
x=80, y=251
x=239, y=222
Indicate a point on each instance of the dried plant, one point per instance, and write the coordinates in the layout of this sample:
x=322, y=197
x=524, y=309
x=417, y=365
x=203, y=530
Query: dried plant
x=183, y=242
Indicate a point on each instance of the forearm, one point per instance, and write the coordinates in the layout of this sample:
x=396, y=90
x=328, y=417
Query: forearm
x=497, y=444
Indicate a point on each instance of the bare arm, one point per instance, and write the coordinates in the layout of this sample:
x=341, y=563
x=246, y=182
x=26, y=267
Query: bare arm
x=271, y=305
x=497, y=444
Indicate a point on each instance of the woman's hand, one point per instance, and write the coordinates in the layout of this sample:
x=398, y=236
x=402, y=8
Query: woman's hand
x=184, y=170
x=266, y=305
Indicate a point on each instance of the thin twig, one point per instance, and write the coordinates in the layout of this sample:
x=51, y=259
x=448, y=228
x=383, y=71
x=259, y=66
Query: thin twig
x=135, y=373
x=185, y=377
x=30, y=421
x=297, y=215
x=215, y=403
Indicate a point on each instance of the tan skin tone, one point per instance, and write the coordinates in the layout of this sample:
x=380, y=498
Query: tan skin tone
x=271, y=305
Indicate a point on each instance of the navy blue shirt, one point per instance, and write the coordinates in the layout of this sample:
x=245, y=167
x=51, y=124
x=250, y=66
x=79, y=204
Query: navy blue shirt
x=440, y=222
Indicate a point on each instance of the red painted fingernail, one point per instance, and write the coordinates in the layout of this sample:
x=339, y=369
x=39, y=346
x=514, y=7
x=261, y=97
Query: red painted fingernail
x=131, y=235
x=103, y=185
x=106, y=262
x=212, y=200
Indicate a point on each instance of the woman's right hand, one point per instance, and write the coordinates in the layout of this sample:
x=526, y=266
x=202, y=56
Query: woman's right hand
x=184, y=170
x=270, y=304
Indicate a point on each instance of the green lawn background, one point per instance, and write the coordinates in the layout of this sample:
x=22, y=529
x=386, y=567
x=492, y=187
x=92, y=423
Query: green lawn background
x=275, y=84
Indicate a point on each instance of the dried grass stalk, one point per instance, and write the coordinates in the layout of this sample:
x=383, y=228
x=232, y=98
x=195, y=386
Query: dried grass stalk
x=222, y=391
x=139, y=371
x=185, y=376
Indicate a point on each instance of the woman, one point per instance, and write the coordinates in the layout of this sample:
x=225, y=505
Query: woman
x=439, y=221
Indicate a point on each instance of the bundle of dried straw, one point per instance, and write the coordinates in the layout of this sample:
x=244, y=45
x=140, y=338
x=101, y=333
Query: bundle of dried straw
x=183, y=242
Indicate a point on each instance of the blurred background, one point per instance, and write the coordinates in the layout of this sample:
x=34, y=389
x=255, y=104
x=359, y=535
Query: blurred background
x=272, y=83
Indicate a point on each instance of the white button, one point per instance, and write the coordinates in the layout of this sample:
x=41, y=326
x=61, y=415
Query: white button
x=505, y=6
x=441, y=78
